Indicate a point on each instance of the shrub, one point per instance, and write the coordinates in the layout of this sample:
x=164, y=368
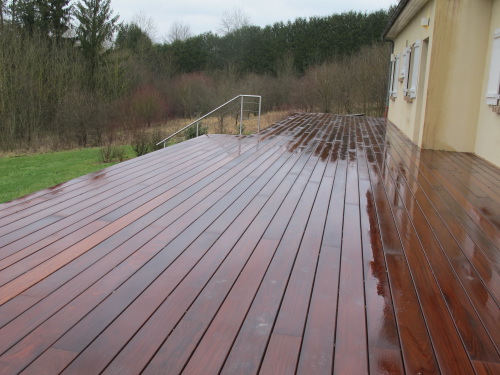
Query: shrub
x=191, y=131
x=140, y=143
x=119, y=153
x=156, y=136
x=106, y=154
x=109, y=153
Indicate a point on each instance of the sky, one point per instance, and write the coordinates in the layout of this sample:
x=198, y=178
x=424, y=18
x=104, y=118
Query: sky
x=203, y=16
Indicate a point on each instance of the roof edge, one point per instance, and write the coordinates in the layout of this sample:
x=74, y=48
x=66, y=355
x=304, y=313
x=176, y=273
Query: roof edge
x=404, y=13
x=399, y=9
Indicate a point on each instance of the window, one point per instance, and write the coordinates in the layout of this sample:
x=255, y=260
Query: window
x=393, y=88
x=412, y=92
x=493, y=91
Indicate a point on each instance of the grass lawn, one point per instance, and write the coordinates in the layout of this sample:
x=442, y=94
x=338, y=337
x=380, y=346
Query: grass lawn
x=21, y=175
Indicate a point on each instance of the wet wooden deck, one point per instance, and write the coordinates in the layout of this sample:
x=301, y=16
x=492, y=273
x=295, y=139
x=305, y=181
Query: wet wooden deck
x=327, y=244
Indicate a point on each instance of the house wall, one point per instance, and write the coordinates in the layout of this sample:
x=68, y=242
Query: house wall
x=487, y=143
x=402, y=112
x=456, y=74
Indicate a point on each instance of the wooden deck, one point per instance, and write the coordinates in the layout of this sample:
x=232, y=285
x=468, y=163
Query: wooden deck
x=326, y=244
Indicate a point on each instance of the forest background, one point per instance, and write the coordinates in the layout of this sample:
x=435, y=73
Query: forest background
x=72, y=75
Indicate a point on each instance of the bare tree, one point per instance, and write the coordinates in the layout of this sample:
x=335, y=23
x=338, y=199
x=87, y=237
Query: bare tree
x=286, y=75
x=179, y=31
x=146, y=24
x=233, y=20
x=325, y=77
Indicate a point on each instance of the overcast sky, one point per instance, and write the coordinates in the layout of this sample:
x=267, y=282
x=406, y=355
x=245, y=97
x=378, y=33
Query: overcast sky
x=203, y=15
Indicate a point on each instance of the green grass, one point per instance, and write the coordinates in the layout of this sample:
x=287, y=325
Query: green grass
x=21, y=175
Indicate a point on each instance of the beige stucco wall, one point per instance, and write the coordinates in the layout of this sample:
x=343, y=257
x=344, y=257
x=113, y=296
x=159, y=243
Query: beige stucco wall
x=403, y=113
x=450, y=112
x=488, y=130
x=456, y=74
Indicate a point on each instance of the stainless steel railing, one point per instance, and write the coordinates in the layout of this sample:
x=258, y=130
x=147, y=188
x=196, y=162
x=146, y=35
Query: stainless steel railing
x=197, y=121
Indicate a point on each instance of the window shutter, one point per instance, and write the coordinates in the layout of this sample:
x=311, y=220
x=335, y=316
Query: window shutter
x=406, y=68
x=394, y=85
x=415, y=70
x=404, y=59
x=493, y=91
x=393, y=69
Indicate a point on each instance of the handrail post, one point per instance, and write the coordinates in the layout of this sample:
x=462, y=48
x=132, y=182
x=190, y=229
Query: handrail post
x=197, y=128
x=258, y=121
x=241, y=114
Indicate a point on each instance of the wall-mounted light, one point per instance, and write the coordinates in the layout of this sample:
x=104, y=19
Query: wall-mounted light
x=424, y=22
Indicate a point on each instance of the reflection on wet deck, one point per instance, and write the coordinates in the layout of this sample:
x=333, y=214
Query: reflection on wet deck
x=326, y=244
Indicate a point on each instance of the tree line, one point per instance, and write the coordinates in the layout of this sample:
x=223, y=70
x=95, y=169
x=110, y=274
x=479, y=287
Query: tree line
x=255, y=49
x=72, y=75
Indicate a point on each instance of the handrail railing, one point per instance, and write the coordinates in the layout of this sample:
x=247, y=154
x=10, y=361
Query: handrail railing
x=164, y=141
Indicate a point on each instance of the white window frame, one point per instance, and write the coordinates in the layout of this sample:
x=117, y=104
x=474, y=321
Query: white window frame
x=493, y=90
x=393, y=89
x=412, y=92
x=406, y=69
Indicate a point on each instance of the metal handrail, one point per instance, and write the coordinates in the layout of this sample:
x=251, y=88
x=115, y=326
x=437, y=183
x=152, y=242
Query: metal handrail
x=164, y=141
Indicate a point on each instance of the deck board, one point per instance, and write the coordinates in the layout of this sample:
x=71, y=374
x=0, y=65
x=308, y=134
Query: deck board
x=326, y=244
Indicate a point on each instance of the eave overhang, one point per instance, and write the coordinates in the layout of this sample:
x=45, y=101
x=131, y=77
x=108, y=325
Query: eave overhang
x=404, y=13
